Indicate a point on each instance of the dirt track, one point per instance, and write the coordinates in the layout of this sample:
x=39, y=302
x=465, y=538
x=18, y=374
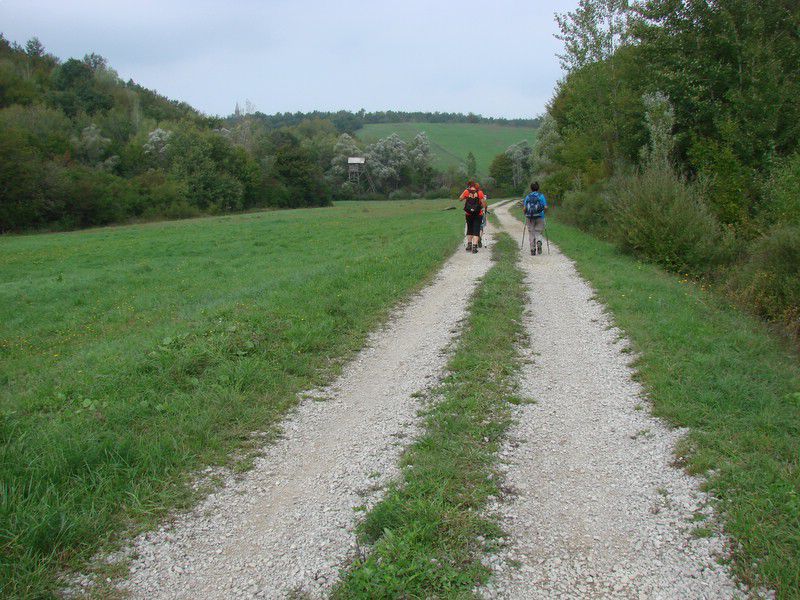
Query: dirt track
x=597, y=510
x=286, y=526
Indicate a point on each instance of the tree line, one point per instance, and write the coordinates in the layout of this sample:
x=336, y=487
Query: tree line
x=349, y=122
x=675, y=134
x=80, y=147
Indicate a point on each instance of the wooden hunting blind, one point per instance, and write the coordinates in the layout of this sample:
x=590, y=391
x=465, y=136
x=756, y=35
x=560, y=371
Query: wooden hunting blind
x=356, y=166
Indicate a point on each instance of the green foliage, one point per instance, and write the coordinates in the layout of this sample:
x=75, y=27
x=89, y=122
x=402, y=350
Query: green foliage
x=588, y=208
x=22, y=197
x=781, y=193
x=659, y=216
x=82, y=148
x=716, y=103
x=152, y=350
x=426, y=532
x=727, y=180
x=472, y=166
x=768, y=283
x=502, y=172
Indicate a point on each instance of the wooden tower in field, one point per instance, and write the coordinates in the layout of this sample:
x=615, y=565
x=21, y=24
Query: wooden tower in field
x=356, y=166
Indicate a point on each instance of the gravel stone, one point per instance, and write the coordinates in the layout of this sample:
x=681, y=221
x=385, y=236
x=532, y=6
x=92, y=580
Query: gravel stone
x=595, y=507
x=286, y=526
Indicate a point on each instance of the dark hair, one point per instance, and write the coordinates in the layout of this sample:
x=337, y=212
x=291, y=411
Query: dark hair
x=535, y=186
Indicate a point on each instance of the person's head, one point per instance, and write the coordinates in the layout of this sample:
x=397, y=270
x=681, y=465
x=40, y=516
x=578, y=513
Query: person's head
x=535, y=186
x=477, y=186
x=472, y=191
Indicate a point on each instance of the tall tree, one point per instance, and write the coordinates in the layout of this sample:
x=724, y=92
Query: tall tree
x=472, y=166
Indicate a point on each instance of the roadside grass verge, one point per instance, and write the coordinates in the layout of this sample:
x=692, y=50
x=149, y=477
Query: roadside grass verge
x=424, y=534
x=132, y=356
x=721, y=373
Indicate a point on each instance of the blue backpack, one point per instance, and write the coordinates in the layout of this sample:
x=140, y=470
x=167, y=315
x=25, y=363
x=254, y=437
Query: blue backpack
x=534, y=204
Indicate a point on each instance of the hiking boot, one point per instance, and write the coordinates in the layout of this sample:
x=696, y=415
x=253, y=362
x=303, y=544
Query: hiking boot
x=480, y=243
x=469, y=246
x=475, y=249
x=539, y=246
x=533, y=252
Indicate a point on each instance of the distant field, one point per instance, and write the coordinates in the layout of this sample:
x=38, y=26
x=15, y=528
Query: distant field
x=451, y=142
x=133, y=355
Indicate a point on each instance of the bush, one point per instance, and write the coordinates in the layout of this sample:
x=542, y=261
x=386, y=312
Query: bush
x=587, y=208
x=89, y=197
x=781, y=197
x=437, y=193
x=660, y=217
x=769, y=282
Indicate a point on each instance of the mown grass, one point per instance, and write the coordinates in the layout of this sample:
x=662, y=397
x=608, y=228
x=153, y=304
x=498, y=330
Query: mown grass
x=134, y=355
x=451, y=142
x=721, y=373
x=425, y=534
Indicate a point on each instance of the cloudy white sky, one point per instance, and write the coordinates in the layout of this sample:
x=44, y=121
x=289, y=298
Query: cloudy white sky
x=496, y=58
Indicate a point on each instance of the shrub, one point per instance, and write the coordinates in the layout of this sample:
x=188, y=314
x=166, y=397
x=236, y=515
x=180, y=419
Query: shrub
x=769, y=282
x=437, y=193
x=89, y=197
x=586, y=208
x=728, y=179
x=22, y=199
x=660, y=217
x=781, y=197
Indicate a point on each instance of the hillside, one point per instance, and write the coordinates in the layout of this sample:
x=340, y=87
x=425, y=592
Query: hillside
x=451, y=142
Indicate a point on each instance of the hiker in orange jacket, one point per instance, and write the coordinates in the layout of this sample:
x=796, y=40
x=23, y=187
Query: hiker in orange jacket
x=472, y=184
x=474, y=207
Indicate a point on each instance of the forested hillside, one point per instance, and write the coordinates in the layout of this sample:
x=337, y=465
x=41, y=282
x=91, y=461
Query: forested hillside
x=80, y=147
x=675, y=134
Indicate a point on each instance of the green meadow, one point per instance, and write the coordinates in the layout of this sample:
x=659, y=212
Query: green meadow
x=451, y=142
x=132, y=356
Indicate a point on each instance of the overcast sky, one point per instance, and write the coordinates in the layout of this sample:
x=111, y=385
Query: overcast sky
x=495, y=58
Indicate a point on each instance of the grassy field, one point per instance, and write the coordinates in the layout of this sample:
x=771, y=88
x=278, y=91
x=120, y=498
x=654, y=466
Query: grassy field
x=425, y=532
x=724, y=375
x=451, y=142
x=133, y=355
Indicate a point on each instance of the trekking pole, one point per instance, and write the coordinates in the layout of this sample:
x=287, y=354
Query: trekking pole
x=522, y=243
x=547, y=239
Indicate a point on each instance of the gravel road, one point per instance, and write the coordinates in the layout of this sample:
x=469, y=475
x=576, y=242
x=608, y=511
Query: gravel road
x=286, y=526
x=595, y=509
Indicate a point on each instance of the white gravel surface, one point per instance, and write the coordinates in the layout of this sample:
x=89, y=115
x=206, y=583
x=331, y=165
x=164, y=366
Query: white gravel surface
x=595, y=509
x=286, y=526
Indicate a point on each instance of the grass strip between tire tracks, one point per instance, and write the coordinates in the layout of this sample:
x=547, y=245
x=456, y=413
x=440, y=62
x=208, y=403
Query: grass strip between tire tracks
x=709, y=367
x=427, y=533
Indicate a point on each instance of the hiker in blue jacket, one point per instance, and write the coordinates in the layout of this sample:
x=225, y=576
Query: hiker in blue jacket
x=534, y=206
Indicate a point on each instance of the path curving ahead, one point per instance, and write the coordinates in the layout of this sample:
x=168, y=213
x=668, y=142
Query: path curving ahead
x=596, y=510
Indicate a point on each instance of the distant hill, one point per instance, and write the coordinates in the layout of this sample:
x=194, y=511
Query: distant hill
x=451, y=142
